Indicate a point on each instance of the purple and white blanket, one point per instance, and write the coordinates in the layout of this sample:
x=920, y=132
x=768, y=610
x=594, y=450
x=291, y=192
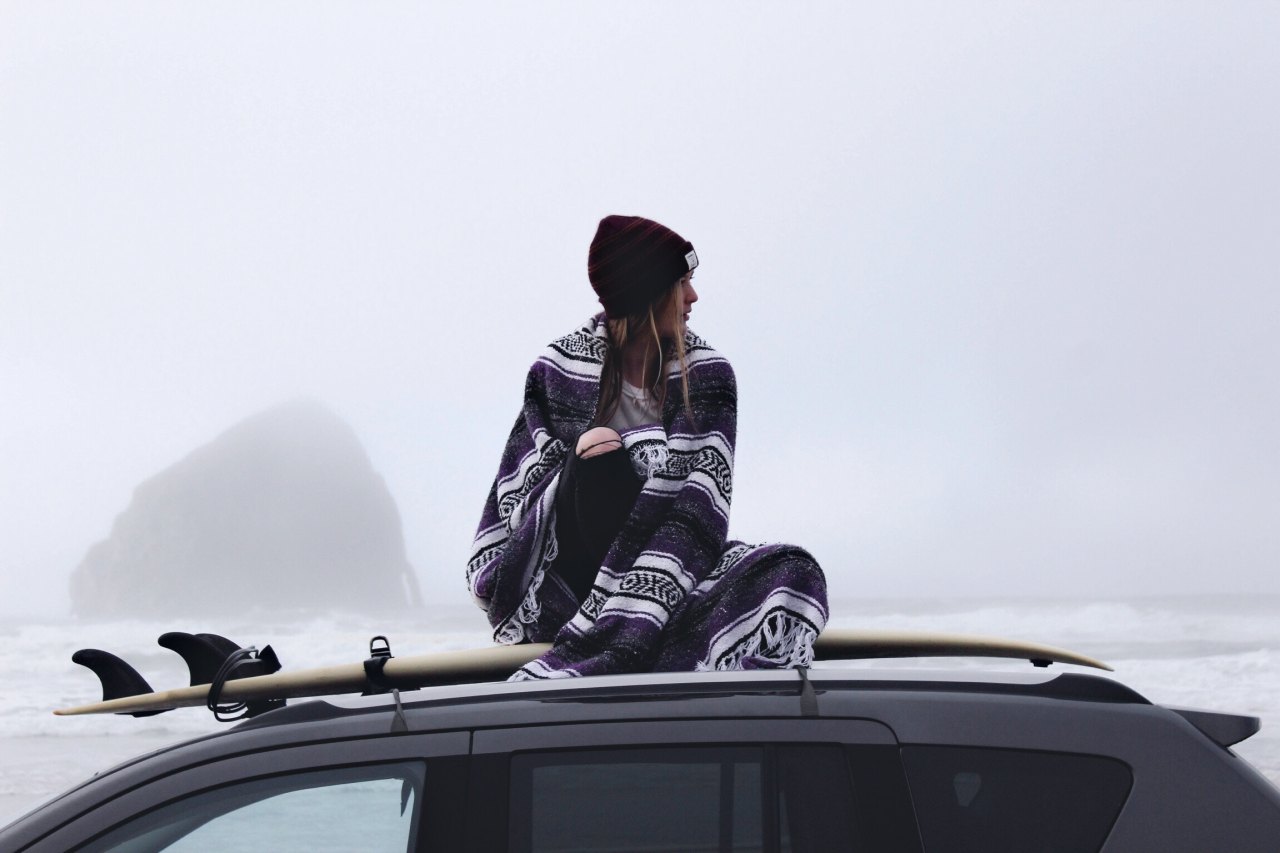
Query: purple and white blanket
x=672, y=593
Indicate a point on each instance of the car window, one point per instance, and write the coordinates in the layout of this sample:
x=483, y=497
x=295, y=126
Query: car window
x=680, y=798
x=351, y=808
x=998, y=800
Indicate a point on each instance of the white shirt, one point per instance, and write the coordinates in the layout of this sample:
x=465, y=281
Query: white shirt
x=636, y=408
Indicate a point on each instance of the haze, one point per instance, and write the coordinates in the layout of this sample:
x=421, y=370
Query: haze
x=999, y=281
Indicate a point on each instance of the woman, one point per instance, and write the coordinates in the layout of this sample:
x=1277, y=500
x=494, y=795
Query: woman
x=605, y=530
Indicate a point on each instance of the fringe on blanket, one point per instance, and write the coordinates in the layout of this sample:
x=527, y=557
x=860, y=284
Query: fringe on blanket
x=782, y=640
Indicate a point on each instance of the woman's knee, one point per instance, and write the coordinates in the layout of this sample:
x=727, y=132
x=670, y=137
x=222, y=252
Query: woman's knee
x=779, y=565
x=596, y=441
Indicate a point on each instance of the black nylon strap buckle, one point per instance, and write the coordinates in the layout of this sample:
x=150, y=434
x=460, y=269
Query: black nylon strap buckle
x=379, y=653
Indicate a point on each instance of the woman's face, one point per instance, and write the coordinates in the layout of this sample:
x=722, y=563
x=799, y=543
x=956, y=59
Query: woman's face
x=675, y=318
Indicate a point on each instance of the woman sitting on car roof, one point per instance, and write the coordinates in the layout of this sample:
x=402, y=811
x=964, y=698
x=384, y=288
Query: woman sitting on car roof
x=605, y=529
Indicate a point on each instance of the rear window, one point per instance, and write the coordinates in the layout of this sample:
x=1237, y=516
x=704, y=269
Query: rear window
x=997, y=800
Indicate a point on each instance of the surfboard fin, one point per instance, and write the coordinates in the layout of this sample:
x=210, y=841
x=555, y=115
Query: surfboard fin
x=214, y=660
x=204, y=654
x=117, y=677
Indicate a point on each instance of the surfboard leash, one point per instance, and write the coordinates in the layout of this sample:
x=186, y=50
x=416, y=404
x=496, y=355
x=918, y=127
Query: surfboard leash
x=264, y=663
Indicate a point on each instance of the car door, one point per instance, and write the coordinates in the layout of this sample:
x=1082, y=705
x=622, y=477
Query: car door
x=802, y=785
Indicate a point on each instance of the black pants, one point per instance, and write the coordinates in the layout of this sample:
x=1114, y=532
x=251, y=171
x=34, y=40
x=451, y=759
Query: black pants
x=595, y=498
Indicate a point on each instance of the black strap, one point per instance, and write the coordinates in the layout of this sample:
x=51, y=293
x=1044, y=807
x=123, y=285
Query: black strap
x=808, y=698
x=375, y=681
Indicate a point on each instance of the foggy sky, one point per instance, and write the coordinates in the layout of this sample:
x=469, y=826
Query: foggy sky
x=999, y=281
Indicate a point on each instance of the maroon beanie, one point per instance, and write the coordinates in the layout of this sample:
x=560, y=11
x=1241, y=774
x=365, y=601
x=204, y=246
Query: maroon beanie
x=633, y=260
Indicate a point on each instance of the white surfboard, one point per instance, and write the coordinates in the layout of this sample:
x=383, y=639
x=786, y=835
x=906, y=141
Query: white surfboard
x=498, y=662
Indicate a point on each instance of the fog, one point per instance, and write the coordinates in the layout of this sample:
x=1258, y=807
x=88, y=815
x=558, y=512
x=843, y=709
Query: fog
x=999, y=281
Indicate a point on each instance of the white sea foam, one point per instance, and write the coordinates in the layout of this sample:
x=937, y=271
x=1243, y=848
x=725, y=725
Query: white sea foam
x=1219, y=654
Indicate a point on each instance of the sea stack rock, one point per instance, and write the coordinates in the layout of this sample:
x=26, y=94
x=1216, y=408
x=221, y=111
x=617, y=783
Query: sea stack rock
x=281, y=512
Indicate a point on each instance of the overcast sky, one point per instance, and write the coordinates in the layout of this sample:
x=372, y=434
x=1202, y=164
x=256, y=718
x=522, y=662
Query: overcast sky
x=999, y=281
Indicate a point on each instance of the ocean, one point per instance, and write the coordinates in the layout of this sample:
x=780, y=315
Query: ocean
x=1217, y=653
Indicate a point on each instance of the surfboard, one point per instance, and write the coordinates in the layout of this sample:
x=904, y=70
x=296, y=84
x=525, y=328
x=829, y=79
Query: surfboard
x=496, y=663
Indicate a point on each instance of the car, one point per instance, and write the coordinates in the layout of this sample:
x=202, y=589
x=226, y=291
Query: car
x=822, y=759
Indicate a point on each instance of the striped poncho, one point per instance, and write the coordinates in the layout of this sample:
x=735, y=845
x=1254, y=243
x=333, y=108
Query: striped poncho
x=672, y=593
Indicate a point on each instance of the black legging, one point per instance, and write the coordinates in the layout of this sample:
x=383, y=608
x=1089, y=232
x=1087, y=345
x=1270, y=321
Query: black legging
x=595, y=498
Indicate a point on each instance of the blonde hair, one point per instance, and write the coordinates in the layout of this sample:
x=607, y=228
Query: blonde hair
x=623, y=330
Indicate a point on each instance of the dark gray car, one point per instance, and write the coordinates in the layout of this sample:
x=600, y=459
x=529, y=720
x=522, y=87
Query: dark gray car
x=849, y=760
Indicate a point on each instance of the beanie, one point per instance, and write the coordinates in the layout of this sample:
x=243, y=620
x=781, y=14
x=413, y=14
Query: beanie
x=633, y=260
